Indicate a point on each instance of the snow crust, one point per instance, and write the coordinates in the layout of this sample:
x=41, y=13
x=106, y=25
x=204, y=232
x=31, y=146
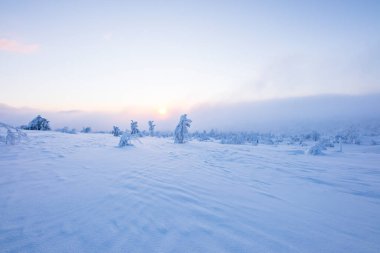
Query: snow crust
x=81, y=193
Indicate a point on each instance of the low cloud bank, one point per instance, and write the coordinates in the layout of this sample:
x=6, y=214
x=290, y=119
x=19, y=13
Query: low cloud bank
x=292, y=114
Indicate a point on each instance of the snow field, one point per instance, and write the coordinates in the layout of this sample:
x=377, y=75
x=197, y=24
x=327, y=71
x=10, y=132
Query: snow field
x=81, y=193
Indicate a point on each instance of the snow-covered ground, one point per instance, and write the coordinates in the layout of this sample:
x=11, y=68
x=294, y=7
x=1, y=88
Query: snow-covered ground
x=80, y=193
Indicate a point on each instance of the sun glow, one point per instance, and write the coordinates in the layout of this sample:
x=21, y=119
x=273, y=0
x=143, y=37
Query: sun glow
x=162, y=110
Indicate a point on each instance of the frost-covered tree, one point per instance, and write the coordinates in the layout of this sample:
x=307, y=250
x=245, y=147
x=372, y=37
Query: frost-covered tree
x=134, y=128
x=181, y=129
x=116, y=131
x=39, y=123
x=151, y=127
x=125, y=139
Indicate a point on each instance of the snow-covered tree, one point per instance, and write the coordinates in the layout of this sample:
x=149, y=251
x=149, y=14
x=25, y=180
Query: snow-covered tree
x=39, y=123
x=134, y=128
x=125, y=139
x=151, y=127
x=116, y=131
x=181, y=129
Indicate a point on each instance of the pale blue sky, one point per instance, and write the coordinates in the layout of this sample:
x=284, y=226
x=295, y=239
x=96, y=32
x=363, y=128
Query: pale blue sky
x=113, y=55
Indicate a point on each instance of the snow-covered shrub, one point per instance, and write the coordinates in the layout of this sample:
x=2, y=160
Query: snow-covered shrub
x=278, y=140
x=352, y=135
x=116, y=131
x=62, y=130
x=164, y=134
x=201, y=136
x=134, y=128
x=151, y=127
x=237, y=138
x=86, y=130
x=180, y=131
x=313, y=136
x=38, y=123
x=144, y=133
x=326, y=143
x=267, y=141
x=213, y=133
x=349, y=136
x=11, y=135
x=125, y=139
x=66, y=130
x=233, y=138
x=315, y=150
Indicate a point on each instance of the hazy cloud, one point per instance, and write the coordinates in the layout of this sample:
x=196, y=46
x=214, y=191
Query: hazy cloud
x=17, y=47
x=290, y=114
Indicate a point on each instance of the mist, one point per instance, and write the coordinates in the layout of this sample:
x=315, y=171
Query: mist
x=291, y=114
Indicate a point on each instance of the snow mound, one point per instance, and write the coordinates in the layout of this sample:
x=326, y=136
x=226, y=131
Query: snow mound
x=315, y=150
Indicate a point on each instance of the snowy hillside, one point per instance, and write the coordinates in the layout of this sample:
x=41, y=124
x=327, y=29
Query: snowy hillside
x=81, y=193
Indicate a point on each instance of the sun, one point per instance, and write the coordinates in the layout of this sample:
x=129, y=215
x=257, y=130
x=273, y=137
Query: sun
x=162, y=110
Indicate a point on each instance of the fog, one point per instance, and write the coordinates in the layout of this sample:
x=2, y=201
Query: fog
x=291, y=114
x=329, y=111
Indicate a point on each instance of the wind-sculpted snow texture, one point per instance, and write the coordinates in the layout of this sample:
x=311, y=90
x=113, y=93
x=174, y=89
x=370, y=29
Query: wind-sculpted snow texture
x=80, y=193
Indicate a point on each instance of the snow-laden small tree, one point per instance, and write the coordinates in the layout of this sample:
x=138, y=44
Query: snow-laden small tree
x=116, y=131
x=39, y=123
x=125, y=139
x=134, y=128
x=180, y=131
x=151, y=127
